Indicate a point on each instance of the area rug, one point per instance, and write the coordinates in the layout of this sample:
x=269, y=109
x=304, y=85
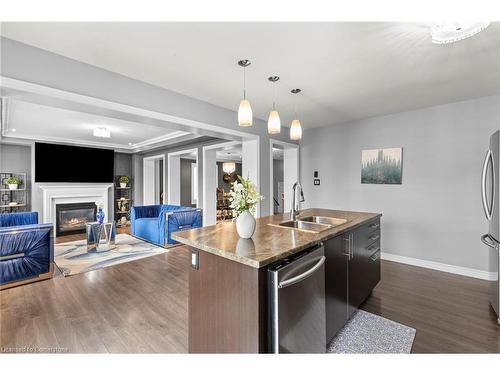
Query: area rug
x=72, y=257
x=366, y=333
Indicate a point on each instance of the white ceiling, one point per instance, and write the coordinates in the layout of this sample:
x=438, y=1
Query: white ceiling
x=234, y=153
x=24, y=120
x=346, y=70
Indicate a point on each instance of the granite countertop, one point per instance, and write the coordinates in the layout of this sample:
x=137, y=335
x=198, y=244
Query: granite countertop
x=269, y=243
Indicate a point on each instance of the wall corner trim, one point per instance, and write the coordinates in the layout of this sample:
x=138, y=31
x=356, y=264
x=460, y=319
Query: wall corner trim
x=443, y=267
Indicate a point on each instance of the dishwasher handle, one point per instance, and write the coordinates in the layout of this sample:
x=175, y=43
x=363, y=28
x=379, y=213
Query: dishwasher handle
x=302, y=276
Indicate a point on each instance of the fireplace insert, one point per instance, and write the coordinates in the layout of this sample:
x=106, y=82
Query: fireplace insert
x=71, y=217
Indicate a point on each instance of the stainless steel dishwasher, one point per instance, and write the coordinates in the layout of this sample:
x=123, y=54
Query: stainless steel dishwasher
x=297, y=304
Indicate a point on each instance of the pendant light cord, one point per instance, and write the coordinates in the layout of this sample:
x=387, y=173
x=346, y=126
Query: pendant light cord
x=274, y=96
x=244, y=83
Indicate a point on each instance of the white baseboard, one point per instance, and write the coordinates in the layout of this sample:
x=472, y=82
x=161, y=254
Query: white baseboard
x=464, y=271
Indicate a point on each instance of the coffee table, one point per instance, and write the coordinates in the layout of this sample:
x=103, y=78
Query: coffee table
x=100, y=237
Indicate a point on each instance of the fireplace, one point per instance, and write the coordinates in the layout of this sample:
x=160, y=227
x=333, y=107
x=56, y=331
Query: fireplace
x=71, y=217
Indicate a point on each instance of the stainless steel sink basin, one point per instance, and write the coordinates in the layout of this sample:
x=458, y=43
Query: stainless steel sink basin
x=304, y=226
x=332, y=221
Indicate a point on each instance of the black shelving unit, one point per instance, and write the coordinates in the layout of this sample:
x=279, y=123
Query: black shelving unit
x=123, y=202
x=13, y=200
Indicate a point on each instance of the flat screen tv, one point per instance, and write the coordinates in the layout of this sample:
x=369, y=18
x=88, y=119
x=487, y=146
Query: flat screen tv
x=60, y=163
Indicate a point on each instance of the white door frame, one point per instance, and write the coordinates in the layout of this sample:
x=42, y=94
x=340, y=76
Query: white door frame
x=170, y=171
x=285, y=145
x=146, y=185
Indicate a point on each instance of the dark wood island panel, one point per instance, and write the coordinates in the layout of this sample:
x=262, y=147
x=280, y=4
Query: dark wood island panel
x=227, y=306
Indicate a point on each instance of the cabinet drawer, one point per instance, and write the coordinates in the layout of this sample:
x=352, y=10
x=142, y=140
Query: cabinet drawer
x=373, y=269
x=375, y=246
x=368, y=234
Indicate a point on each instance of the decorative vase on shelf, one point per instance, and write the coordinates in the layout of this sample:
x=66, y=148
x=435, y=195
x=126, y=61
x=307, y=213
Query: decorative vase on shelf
x=100, y=216
x=245, y=224
x=12, y=186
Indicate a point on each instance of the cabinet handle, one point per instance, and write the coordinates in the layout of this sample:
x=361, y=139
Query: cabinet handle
x=351, y=247
x=374, y=237
x=348, y=253
x=373, y=247
x=375, y=256
x=374, y=225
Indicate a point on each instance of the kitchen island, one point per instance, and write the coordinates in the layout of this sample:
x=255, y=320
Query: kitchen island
x=228, y=281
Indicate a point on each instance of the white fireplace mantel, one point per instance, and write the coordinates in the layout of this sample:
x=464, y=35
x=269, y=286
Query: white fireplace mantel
x=54, y=194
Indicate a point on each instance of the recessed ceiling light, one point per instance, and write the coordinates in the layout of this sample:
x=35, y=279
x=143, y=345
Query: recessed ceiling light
x=13, y=130
x=130, y=143
x=449, y=32
x=102, y=132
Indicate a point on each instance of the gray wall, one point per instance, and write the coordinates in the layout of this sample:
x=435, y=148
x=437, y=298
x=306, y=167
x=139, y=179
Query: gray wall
x=17, y=158
x=436, y=214
x=186, y=182
x=137, y=167
x=123, y=164
x=23, y=62
x=220, y=174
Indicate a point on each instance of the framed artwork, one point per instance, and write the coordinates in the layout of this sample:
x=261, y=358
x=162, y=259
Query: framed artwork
x=382, y=166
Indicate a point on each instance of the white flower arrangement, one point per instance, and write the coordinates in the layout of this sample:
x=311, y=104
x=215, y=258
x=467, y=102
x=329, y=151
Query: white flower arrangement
x=243, y=196
x=99, y=205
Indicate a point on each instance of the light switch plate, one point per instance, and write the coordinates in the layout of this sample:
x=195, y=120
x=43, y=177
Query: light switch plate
x=195, y=259
x=316, y=182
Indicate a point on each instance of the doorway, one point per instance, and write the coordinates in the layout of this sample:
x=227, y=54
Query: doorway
x=222, y=163
x=182, y=178
x=154, y=180
x=284, y=172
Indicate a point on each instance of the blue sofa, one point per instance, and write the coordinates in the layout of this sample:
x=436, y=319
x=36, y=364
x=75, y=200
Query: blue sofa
x=156, y=223
x=26, y=249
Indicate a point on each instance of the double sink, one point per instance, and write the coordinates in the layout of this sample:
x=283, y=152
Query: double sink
x=315, y=224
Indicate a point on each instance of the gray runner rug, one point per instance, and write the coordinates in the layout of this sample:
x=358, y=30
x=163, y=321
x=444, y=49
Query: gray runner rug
x=367, y=333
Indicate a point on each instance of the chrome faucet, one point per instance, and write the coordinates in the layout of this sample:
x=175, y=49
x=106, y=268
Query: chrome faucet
x=295, y=204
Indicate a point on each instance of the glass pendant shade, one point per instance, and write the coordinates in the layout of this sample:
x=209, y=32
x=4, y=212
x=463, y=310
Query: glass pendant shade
x=274, y=123
x=295, y=130
x=228, y=167
x=245, y=113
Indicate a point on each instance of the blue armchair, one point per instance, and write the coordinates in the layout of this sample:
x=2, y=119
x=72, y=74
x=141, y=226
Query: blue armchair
x=156, y=223
x=26, y=249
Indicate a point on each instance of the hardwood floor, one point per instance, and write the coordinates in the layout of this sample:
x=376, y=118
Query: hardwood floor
x=141, y=306
x=451, y=313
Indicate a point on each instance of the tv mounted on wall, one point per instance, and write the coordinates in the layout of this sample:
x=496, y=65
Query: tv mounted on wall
x=60, y=163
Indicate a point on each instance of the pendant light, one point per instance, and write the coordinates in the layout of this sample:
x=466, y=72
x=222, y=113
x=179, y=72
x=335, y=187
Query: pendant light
x=244, y=111
x=295, y=128
x=228, y=167
x=274, y=122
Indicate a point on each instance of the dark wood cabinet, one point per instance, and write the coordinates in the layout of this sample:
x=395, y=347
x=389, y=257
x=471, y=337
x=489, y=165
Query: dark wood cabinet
x=352, y=271
x=337, y=258
x=227, y=306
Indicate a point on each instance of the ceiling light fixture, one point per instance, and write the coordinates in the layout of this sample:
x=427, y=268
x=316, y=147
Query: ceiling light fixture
x=228, y=167
x=245, y=110
x=102, y=132
x=295, y=128
x=449, y=32
x=274, y=122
